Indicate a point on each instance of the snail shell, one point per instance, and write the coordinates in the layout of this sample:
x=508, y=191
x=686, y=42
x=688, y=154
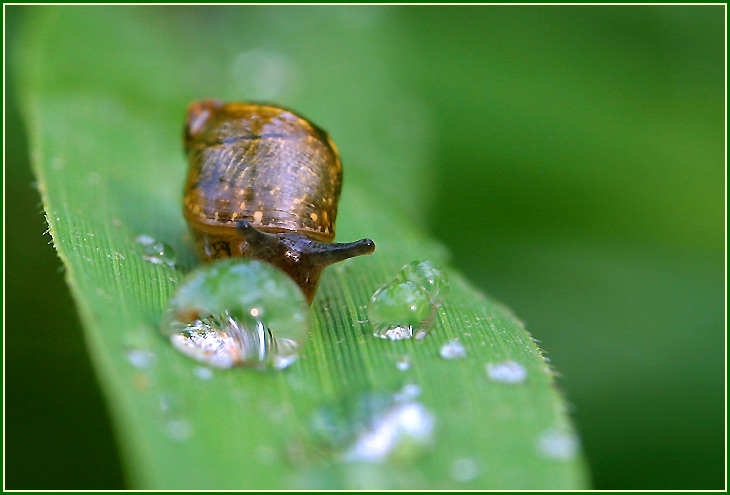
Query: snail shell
x=264, y=182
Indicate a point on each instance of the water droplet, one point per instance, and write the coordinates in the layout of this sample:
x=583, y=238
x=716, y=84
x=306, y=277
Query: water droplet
x=453, y=349
x=558, y=444
x=464, y=470
x=238, y=311
x=178, y=429
x=159, y=253
x=409, y=392
x=404, y=363
x=400, y=309
x=203, y=373
x=140, y=359
x=507, y=372
x=94, y=178
x=403, y=429
x=428, y=276
x=144, y=239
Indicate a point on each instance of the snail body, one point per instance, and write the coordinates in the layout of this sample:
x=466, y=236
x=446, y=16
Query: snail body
x=264, y=183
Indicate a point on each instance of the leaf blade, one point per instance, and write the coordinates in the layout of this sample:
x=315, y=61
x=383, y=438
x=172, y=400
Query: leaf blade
x=108, y=166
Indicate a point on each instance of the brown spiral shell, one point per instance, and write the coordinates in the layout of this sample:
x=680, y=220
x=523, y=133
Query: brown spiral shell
x=264, y=182
x=261, y=163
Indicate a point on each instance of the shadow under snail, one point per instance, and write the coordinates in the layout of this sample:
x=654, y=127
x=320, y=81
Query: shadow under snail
x=264, y=183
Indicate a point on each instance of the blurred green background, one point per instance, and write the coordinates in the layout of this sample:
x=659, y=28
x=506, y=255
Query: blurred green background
x=571, y=158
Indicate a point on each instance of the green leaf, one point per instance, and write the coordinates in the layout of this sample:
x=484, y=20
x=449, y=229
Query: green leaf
x=103, y=91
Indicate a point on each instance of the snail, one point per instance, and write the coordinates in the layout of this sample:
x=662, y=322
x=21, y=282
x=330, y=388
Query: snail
x=264, y=182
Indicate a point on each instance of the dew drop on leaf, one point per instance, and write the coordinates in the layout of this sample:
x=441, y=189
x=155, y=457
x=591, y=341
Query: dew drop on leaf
x=238, y=312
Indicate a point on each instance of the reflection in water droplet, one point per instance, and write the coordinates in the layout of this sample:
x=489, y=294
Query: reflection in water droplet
x=558, y=444
x=464, y=470
x=178, y=429
x=453, y=349
x=206, y=342
x=404, y=363
x=238, y=311
x=140, y=359
x=404, y=427
x=507, y=372
x=394, y=332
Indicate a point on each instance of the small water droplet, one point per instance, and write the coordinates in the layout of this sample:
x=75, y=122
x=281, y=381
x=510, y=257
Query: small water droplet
x=203, y=373
x=558, y=444
x=144, y=239
x=140, y=359
x=409, y=392
x=395, y=434
x=94, y=178
x=507, y=372
x=453, y=349
x=159, y=253
x=464, y=470
x=179, y=429
x=404, y=363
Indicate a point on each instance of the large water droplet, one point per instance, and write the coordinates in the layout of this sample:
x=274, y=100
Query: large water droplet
x=507, y=372
x=238, y=311
x=453, y=349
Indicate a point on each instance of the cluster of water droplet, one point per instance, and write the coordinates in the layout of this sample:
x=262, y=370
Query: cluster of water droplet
x=238, y=312
x=406, y=306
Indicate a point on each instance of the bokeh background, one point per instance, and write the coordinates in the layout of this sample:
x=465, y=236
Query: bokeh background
x=571, y=158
